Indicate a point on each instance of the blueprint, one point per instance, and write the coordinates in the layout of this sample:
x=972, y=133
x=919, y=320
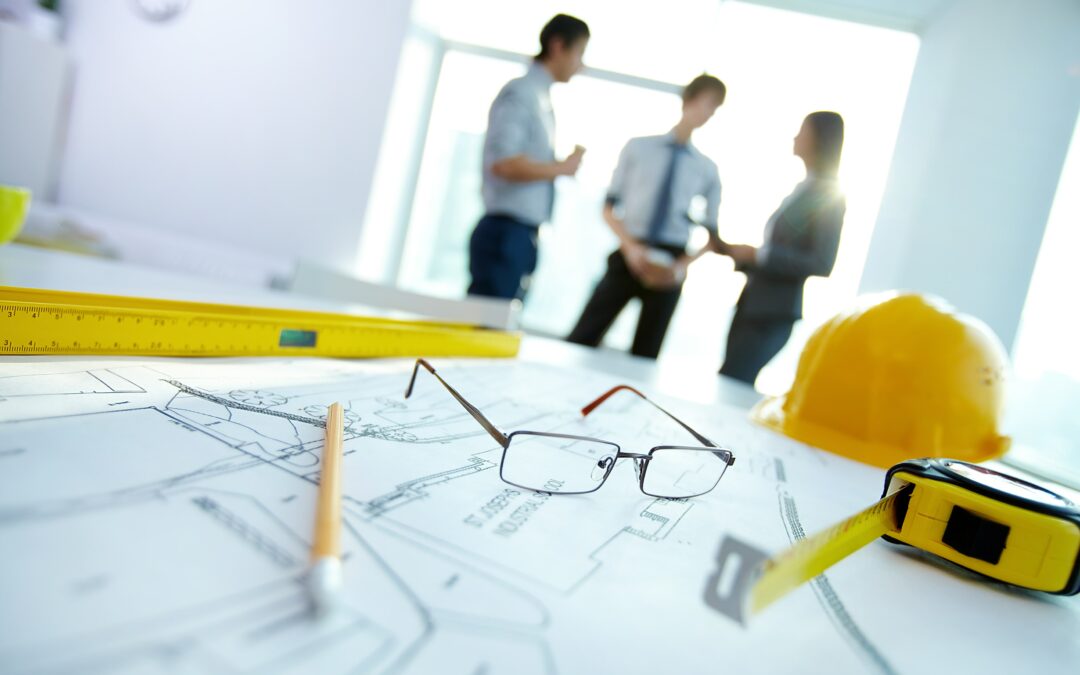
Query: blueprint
x=156, y=514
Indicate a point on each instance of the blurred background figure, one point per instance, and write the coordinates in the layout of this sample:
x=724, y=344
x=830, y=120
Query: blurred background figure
x=801, y=240
x=385, y=173
x=520, y=166
x=647, y=208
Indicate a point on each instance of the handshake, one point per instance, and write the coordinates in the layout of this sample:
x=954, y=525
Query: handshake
x=659, y=270
x=743, y=254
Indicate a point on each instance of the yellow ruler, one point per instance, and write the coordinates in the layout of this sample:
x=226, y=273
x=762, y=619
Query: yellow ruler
x=36, y=321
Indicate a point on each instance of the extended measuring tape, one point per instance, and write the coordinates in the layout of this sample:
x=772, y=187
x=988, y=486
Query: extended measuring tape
x=989, y=522
x=59, y=322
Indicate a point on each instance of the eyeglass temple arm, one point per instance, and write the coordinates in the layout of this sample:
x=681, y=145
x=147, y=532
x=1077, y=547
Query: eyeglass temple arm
x=499, y=436
x=623, y=387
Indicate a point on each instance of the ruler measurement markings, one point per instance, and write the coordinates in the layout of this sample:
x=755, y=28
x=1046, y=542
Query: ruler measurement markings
x=149, y=329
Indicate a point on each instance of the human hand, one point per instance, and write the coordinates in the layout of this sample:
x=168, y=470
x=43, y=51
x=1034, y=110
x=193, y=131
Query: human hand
x=716, y=244
x=678, y=271
x=636, y=257
x=570, y=165
x=742, y=254
x=664, y=277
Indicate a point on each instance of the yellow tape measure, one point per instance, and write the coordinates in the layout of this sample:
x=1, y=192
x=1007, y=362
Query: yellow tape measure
x=59, y=322
x=813, y=555
x=998, y=525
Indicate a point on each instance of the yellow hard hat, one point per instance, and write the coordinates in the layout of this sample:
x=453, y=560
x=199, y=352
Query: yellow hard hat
x=900, y=376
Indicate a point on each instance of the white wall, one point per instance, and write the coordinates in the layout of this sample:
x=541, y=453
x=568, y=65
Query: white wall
x=991, y=109
x=248, y=122
x=34, y=76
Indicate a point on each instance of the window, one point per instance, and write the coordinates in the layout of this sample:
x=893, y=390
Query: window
x=1044, y=392
x=447, y=202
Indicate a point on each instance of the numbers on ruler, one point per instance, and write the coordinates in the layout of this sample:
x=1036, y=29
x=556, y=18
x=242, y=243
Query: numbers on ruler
x=208, y=334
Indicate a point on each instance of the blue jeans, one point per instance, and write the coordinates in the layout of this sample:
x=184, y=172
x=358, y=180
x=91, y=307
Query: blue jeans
x=502, y=257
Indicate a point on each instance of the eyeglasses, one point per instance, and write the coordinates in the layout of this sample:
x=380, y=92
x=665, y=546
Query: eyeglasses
x=565, y=464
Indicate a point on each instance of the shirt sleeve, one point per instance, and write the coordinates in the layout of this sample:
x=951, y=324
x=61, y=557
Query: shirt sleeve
x=712, y=201
x=618, y=179
x=508, y=127
x=818, y=257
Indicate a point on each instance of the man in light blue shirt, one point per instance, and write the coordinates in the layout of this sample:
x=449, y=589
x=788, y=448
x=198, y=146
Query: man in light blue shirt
x=647, y=209
x=520, y=166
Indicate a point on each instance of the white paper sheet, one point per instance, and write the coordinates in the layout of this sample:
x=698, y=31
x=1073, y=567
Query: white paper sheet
x=155, y=517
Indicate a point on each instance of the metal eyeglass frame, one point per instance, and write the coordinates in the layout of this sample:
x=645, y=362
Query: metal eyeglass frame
x=641, y=461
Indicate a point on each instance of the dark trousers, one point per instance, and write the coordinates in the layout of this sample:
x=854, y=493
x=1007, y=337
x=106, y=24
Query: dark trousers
x=616, y=289
x=751, y=343
x=502, y=257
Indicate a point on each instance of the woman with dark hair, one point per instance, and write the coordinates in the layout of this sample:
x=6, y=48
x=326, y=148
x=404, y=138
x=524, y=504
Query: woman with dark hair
x=800, y=241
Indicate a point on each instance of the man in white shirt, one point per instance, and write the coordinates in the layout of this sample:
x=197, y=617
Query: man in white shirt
x=647, y=208
x=520, y=167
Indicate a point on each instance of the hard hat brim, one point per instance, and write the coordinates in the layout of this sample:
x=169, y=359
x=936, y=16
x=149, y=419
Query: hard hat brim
x=769, y=412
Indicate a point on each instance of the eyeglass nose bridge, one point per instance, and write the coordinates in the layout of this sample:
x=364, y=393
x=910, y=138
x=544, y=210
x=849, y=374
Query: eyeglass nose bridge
x=607, y=463
x=640, y=461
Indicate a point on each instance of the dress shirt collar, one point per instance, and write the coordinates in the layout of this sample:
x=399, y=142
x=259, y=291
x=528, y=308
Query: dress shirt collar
x=669, y=137
x=540, y=75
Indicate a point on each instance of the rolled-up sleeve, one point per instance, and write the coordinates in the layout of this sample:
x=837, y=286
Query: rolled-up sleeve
x=618, y=179
x=508, y=128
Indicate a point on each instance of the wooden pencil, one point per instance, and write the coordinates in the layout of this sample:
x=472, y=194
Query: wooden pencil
x=325, y=577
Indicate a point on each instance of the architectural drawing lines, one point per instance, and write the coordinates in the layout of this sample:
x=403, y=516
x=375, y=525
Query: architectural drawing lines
x=229, y=403
x=827, y=596
x=246, y=532
x=175, y=513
